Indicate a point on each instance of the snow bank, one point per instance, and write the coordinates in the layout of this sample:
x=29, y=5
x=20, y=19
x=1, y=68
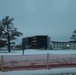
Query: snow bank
x=58, y=71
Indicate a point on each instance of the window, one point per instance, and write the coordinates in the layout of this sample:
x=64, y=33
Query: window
x=57, y=46
x=54, y=43
x=54, y=46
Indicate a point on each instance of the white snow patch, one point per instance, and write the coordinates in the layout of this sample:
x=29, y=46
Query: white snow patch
x=41, y=72
x=34, y=51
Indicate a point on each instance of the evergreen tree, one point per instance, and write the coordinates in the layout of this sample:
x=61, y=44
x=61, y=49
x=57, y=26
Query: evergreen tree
x=9, y=32
x=74, y=35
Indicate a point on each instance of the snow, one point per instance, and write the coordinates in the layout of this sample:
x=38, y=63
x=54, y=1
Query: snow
x=41, y=72
x=34, y=51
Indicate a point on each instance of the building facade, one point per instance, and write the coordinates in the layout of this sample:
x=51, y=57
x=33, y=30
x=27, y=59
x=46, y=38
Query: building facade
x=36, y=42
x=63, y=45
x=39, y=42
x=44, y=42
x=26, y=42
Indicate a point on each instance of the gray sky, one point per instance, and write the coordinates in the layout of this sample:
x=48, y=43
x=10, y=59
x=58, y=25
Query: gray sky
x=56, y=18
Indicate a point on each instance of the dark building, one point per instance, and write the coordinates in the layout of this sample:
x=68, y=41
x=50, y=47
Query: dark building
x=39, y=42
x=26, y=42
x=36, y=42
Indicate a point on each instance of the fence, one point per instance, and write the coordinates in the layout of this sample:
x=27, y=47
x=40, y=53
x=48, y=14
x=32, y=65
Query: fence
x=1, y=63
x=38, y=61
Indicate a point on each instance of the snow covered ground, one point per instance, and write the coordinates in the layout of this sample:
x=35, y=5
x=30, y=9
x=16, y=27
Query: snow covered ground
x=44, y=71
x=58, y=71
x=31, y=51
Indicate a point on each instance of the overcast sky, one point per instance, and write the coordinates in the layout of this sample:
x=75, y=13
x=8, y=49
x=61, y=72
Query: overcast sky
x=56, y=18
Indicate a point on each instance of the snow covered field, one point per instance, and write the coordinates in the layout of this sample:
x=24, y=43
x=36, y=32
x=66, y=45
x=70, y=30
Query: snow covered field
x=31, y=51
x=56, y=71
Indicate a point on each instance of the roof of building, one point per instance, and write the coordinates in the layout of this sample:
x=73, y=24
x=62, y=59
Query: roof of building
x=64, y=42
x=40, y=35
